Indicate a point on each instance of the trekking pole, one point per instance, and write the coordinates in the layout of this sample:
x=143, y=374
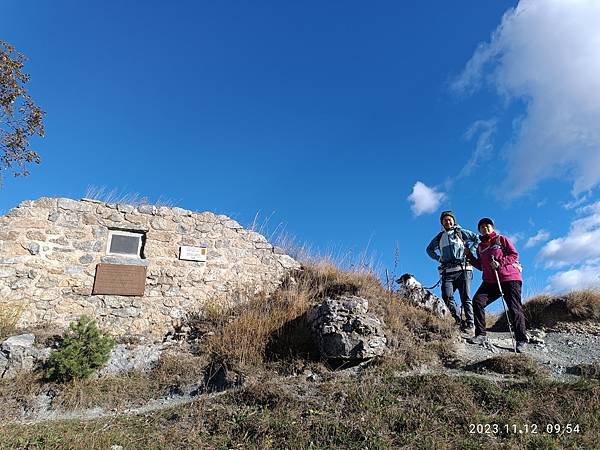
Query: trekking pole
x=505, y=309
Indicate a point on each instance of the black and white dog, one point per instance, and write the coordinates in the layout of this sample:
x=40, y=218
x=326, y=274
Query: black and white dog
x=411, y=289
x=408, y=280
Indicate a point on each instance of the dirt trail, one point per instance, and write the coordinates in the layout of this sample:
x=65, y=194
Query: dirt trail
x=559, y=351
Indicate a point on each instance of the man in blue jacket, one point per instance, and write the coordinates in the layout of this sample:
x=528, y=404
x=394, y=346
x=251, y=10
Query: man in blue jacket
x=449, y=248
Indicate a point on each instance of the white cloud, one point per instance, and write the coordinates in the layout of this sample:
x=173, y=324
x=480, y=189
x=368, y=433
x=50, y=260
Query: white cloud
x=424, y=199
x=571, y=249
x=578, y=253
x=576, y=202
x=514, y=238
x=484, y=131
x=570, y=280
x=546, y=54
x=541, y=236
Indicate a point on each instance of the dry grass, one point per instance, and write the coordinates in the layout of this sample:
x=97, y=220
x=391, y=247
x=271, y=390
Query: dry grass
x=10, y=313
x=521, y=365
x=377, y=411
x=117, y=392
x=585, y=304
x=17, y=393
x=242, y=332
x=174, y=374
x=251, y=332
x=545, y=310
x=116, y=196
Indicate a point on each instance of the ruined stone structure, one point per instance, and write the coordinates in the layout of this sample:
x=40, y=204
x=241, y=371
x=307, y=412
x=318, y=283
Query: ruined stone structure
x=51, y=251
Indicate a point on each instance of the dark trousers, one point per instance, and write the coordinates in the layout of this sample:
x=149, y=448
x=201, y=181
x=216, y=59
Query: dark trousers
x=460, y=280
x=488, y=293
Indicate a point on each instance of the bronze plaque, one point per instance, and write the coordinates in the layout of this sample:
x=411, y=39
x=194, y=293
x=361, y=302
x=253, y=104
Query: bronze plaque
x=119, y=279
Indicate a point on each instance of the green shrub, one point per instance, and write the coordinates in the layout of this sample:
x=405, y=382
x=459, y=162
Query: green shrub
x=84, y=348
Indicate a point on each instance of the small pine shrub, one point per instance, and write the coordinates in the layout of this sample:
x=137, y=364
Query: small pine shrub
x=84, y=348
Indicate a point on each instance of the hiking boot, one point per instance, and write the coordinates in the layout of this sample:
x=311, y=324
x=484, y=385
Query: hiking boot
x=470, y=329
x=479, y=340
x=521, y=347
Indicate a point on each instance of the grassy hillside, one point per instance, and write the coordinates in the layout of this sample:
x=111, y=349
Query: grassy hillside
x=291, y=399
x=379, y=410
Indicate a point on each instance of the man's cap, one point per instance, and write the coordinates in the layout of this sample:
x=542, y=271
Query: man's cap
x=485, y=220
x=447, y=213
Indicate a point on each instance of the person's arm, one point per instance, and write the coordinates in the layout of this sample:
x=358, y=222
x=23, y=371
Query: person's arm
x=510, y=254
x=474, y=260
x=433, y=246
x=471, y=241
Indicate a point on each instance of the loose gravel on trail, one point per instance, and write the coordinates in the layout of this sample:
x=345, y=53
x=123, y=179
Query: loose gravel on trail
x=559, y=351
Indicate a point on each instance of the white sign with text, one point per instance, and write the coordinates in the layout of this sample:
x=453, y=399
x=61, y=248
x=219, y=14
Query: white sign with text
x=193, y=253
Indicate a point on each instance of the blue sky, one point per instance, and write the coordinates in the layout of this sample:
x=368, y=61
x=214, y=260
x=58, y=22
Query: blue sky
x=347, y=125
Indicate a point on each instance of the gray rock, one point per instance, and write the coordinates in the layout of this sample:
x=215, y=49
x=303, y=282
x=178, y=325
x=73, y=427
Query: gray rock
x=343, y=329
x=232, y=224
x=22, y=340
x=73, y=270
x=73, y=205
x=180, y=211
x=86, y=259
x=204, y=227
x=125, y=358
x=6, y=272
x=20, y=356
x=3, y=363
x=536, y=336
x=34, y=248
x=256, y=237
x=147, y=209
x=288, y=262
x=414, y=292
x=126, y=312
x=125, y=208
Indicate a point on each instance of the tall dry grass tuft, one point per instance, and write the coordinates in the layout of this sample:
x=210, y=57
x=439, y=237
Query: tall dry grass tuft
x=10, y=313
x=243, y=331
x=584, y=304
x=547, y=310
x=103, y=194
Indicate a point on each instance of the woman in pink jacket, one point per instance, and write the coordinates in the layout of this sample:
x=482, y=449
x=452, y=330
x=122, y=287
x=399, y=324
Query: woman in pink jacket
x=497, y=253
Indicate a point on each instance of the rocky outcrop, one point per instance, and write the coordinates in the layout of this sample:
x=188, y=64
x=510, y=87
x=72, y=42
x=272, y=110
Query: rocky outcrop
x=126, y=358
x=20, y=355
x=344, y=330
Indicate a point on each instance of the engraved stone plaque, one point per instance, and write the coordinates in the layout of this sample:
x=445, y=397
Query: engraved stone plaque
x=193, y=253
x=119, y=279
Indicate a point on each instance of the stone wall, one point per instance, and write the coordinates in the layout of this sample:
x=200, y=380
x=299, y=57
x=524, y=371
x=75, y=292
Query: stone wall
x=49, y=250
